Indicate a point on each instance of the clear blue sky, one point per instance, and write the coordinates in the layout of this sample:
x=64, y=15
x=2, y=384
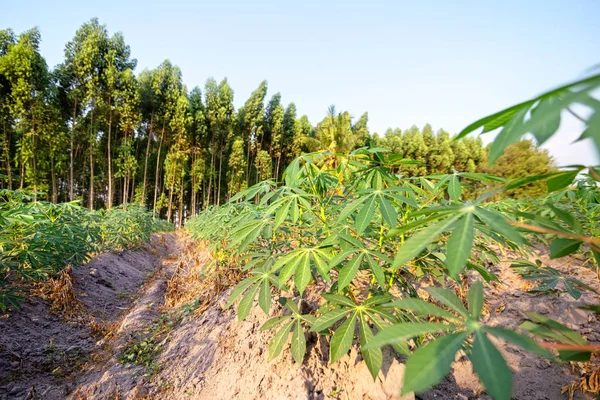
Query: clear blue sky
x=446, y=63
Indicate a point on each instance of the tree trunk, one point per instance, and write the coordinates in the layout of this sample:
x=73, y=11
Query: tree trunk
x=170, y=209
x=72, y=152
x=180, y=214
x=146, y=159
x=277, y=168
x=110, y=179
x=92, y=140
x=212, y=164
x=249, y=163
x=7, y=155
x=33, y=163
x=220, y=170
x=54, y=198
x=162, y=136
x=193, y=193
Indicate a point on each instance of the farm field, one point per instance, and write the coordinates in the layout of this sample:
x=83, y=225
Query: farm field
x=161, y=242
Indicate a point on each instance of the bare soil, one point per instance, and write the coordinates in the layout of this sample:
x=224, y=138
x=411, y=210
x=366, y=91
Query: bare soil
x=207, y=354
x=40, y=350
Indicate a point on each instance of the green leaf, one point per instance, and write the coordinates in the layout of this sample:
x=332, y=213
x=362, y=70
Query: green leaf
x=420, y=240
x=239, y=289
x=246, y=303
x=264, y=297
x=330, y=318
x=475, y=298
x=448, y=298
x=524, y=342
x=348, y=272
x=404, y=331
x=365, y=216
x=561, y=247
x=338, y=299
x=460, y=244
x=298, y=347
x=495, y=120
x=491, y=367
x=303, y=275
x=429, y=364
x=290, y=266
x=342, y=339
x=569, y=334
x=454, y=189
x=278, y=341
x=499, y=225
x=421, y=307
x=373, y=357
x=273, y=322
x=388, y=212
x=562, y=180
x=377, y=271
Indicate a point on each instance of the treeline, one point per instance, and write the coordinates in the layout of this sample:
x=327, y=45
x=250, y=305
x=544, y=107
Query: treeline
x=90, y=129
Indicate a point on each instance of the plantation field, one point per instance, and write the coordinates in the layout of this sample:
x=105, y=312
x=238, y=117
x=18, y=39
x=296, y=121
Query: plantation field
x=309, y=262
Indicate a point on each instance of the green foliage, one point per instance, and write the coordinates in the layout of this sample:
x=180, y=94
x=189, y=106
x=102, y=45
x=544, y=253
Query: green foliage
x=361, y=230
x=39, y=239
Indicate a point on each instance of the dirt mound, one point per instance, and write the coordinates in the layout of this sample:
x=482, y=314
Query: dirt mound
x=39, y=349
x=215, y=357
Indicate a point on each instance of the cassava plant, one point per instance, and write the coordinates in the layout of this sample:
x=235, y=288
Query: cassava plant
x=365, y=238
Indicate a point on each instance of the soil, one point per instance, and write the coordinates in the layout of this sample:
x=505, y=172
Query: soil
x=207, y=354
x=40, y=350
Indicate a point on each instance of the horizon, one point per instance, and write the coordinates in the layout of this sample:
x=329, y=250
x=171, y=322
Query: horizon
x=457, y=69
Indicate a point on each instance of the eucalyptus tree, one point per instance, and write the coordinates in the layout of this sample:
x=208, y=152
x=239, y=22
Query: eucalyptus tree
x=128, y=107
x=253, y=123
x=148, y=106
x=167, y=87
x=25, y=72
x=219, y=113
x=199, y=140
x=289, y=133
x=116, y=86
x=177, y=156
x=7, y=39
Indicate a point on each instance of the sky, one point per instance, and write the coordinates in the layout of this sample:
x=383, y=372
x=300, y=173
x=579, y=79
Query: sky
x=446, y=63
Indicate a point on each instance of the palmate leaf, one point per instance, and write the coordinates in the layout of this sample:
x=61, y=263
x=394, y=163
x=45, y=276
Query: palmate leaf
x=298, y=346
x=298, y=263
x=330, y=318
x=460, y=244
x=278, y=341
x=246, y=303
x=429, y=364
x=476, y=299
x=373, y=357
x=421, y=307
x=420, y=240
x=497, y=222
x=342, y=339
x=543, y=120
x=561, y=247
x=454, y=189
x=491, y=367
x=524, y=342
x=403, y=331
x=351, y=267
x=449, y=299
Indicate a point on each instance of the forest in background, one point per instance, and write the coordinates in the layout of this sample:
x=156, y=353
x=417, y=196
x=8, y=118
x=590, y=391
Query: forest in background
x=93, y=130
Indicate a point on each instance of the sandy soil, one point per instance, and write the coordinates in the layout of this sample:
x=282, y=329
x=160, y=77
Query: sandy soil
x=40, y=350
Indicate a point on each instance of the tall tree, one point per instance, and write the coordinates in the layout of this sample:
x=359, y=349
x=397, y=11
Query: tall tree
x=252, y=124
x=26, y=72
